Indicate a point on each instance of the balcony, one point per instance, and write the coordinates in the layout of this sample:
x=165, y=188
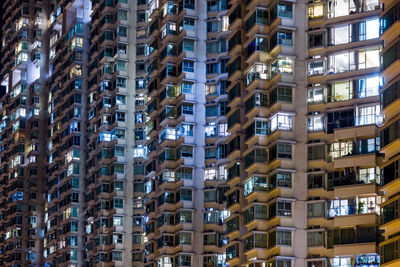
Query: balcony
x=257, y=23
x=256, y=216
x=390, y=219
x=257, y=77
x=390, y=24
x=390, y=62
x=255, y=189
x=367, y=130
x=390, y=138
x=234, y=174
x=235, y=17
x=256, y=161
x=356, y=160
x=390, y=100
x=389, y=252
x=255, y=245
x=256, y=105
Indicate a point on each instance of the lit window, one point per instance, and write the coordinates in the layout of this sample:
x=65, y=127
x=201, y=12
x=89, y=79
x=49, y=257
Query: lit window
x=315, y=11
x=341, y=62
x=341, y=91
x=368, y=86
x=282, y=65
x=281, y=121
x=315, y=95
x=316, y=123
x=368, y=58
x=369, y=29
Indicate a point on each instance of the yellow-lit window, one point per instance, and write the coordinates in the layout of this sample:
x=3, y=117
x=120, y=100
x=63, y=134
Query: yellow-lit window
x=316, y=11
x=79, y=42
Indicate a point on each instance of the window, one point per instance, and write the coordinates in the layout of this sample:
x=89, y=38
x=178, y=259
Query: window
x=189, y=4
x=315, y=95
x=121, y=82
x=122, y=14
x=188, y=45
x=369, y=29
x=257, y=71
x=316, y=210
x=315, y=123
x=255, y=184
x=284, y=209
x=368, y=86
x=316, y=152
x=341, y=62
x=315, y=67
x=340, y=91
x=341, y=34
x=284, y=238
x=210, y=174
x=284, y=151
x=119, y=186
x=315, y=11
x=281, y=94
x=184, y=238
x=315, y=239
x=339, y=149
x=212, y=47
x=187, y=151
x=368, y=115
x=116, y=256
x=188, y=24
x=341, y=207
x=368, y=58
x=285, y=10
x=187, y=109
x=212, y=68
x=285, y=38
x=212, y=26
x=316, y=40
x=188, y=66
x=282, y=65
x=187, y=87
x=284, y=179
x=118, y=221
x=119, y=151
x=369, y=175
x=281, y=121
x=261, y=127
x=118, y=203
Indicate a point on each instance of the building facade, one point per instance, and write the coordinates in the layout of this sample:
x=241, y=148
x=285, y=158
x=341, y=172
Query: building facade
x=199, y=133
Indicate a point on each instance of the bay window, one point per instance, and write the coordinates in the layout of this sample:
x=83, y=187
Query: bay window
x=281, y=121
x=282, y=65
x=257, y=71
x=255, y=184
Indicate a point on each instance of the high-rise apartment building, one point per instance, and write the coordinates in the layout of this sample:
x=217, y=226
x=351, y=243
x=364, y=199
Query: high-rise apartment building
x=197, y=133
x=389, y=134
